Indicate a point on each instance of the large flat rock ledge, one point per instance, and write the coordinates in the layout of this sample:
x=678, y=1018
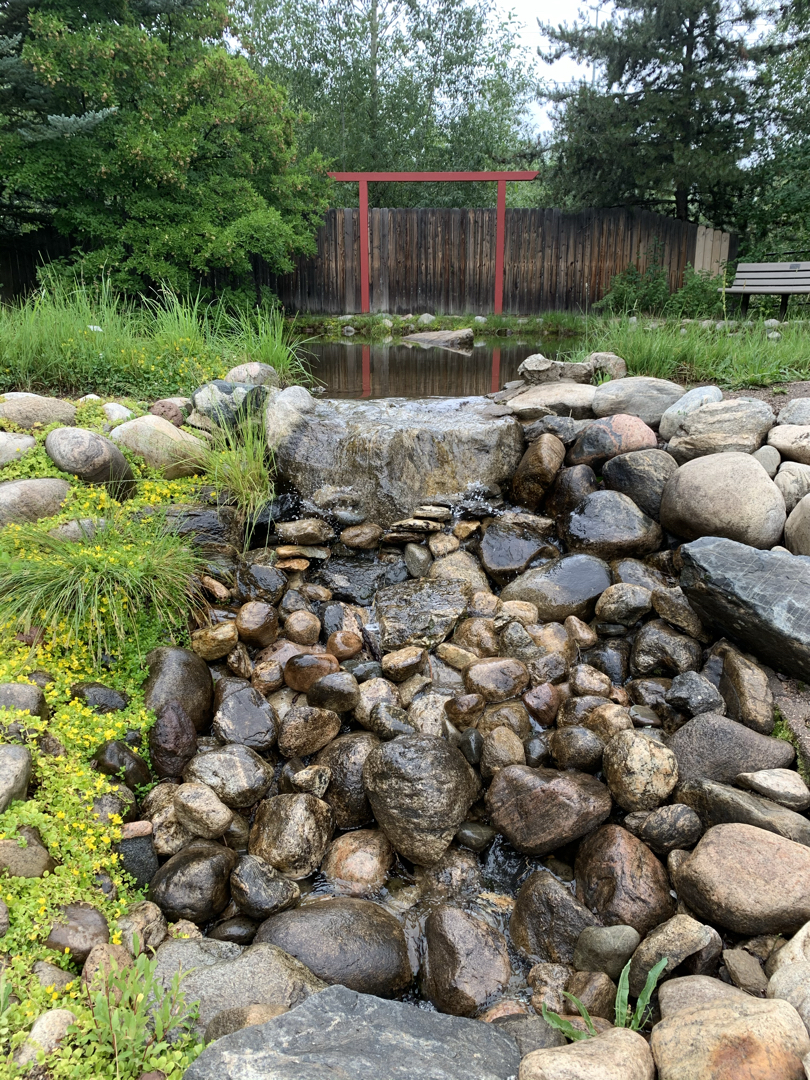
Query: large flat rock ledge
x=384, y=458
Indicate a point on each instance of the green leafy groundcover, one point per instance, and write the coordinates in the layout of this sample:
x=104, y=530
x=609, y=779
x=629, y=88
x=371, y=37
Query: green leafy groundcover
x=109, y=1040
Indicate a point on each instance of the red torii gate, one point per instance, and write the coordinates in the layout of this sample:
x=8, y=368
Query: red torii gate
x=363, y=178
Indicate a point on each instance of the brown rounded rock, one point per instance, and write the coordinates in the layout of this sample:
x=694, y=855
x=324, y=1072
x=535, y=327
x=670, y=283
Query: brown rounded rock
x=536, y=471
x=543, y=701
x=609, y=437
x=365, y=536
x=305, y=730
x=344, y=644
x=497, y=679
x=400, y=665
x=214, y=642
x=291, y=832
x=539, y=810
x=464, y=710
x=357, y=863
x=302, y=627
x=621, y=881
x=257, y=623
x=300, y=672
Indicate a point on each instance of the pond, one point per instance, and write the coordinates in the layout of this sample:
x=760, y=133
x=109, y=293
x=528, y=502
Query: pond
x=354, y=370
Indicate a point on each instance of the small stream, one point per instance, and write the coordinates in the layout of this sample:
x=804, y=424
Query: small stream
x=354, y=370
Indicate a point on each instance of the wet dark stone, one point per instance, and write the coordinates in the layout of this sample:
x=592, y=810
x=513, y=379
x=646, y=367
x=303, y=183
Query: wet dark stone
x=237, y=774
x=642, y=475
x=611, y=657
x=538, y=750
x=609, y=525
x=667, y=828
x=576, y=748
x=466, y=961
x=420, y=789
x=389, y=721
x=658, y=648
x=759, y=599
x=344, y=940
x=138, y=858
x=172, y=740
x=337, y=691
x=115, y=758
x=571, y=486
x=240, y=929
x=364, y=669
x=345, y=757
x=471, y=745
x=507, y=547
x=247, y=718
x=547, y=919
x=356, y=581
x=258, y=579
x=207, y=525
x=260, y=891
x=567, y=586
x=179, y=675
x=101, y=699
x=194, y=883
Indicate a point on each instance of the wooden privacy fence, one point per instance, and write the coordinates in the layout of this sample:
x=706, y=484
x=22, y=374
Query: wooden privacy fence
x=443, y=261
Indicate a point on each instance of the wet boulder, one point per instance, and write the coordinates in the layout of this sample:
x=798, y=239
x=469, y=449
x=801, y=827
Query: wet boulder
x=179, y=675
x=420, y=789
x=344, y=940
x=291, y=832
x=193, y=884
x=466, y=961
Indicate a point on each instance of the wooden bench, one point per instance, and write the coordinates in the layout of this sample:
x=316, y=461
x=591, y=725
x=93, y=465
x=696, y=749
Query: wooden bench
x=769, y=279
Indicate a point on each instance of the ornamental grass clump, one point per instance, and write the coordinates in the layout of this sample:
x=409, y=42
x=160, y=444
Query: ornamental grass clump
x=94, y=589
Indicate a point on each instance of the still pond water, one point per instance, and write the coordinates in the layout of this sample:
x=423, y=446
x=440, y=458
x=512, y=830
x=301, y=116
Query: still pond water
x=354, y=370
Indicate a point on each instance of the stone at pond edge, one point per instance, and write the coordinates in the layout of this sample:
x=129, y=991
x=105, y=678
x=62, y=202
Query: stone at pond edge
x=363, y=1036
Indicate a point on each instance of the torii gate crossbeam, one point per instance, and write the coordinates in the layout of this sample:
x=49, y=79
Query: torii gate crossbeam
x=363, y=178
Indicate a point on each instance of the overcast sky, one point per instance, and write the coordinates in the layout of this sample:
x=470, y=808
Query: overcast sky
x=529, y=11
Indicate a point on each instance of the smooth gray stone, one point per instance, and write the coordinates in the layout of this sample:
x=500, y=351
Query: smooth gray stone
x=720, y=804
x=713, y=747
x=759, y=599
x=349, y=1036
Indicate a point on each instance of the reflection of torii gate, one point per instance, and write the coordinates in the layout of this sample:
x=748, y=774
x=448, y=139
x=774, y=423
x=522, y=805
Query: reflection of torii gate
x=362, y=178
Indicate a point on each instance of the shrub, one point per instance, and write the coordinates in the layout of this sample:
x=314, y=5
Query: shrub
x=93, y=589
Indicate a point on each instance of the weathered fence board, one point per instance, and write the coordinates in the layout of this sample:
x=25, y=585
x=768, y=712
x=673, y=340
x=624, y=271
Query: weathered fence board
x=443, y=260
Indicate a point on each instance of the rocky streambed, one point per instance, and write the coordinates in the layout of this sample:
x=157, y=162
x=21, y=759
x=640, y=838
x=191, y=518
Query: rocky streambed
x=506, y=699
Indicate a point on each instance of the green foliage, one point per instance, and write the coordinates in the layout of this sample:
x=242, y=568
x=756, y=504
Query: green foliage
x=163, y=156
x=401, y=85
x=733, y=356
x=672, y=117
x=699, y=297
x=93, y=589
x=634, y=290
x=239, y=464
x=625, y=1016
x=159, y=348
x=129, y=1025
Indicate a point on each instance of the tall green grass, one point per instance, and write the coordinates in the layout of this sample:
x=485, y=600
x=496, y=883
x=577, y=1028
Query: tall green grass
x=86, y=339
x=735, y=357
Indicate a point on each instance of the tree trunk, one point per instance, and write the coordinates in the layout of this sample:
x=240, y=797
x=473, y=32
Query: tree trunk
x=682, y=203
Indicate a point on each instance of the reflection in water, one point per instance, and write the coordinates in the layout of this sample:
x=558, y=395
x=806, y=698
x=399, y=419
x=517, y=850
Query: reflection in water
x=350, y=370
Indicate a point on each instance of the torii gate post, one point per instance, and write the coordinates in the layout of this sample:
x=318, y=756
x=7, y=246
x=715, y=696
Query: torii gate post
x=363, y=178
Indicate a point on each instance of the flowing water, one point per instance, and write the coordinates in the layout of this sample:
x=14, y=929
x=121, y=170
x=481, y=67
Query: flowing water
x=354, y=370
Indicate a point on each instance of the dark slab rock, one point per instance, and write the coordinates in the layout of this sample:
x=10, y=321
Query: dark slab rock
x=512, y=542
x=567, y=586
x=353, y=1036
x=178, y=675
x=98, y=697
x=713, y=747
x=207, y=525
x=357, y=581
x=760, y=599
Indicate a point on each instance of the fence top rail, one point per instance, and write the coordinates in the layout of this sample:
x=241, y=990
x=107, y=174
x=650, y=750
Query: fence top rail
x=432, y=176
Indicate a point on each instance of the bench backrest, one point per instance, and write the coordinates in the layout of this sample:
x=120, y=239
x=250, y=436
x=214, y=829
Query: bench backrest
x=776, y=274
